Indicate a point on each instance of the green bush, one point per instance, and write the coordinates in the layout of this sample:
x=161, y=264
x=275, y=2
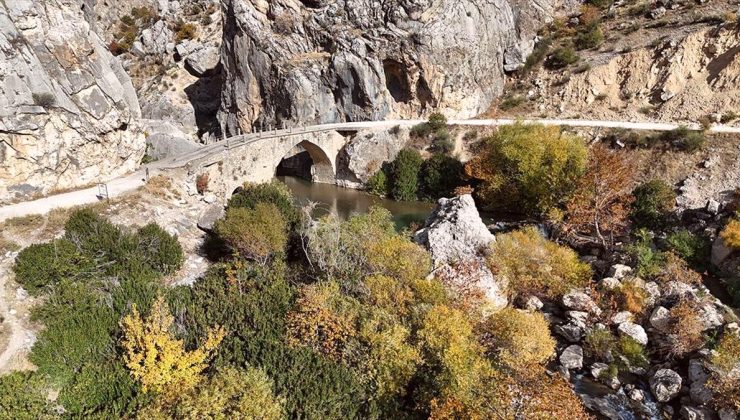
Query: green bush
x=511, y=102
x=440, y=175
x=23, y=397
x=258, y=233
x=442, y=142
x=276, y=193
x=654, y=201
x=539, y=53
x=649, y=260
x=692, y=248
x=437, y=121
x=563, y=57
x=601, y=4
x=684, y=139
x=45, y=99
x=251, y=302
x=591, y=37
x=42, y=265
x=162, y=252
x=378, y=184
x=101, y=391
x=405, y=175
x=600, y=344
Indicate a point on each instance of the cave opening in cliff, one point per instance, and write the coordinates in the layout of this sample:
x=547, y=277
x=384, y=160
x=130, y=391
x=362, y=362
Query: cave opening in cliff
x=306, y=161
x=397, y=80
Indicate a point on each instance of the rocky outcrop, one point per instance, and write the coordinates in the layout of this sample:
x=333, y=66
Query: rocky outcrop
x=349, y=60
x=67, y=108
x=683, y=78
x=366, y=153
x=458, y=239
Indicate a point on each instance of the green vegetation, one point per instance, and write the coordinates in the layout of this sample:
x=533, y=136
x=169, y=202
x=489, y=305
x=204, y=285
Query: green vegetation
x=275, y=193
x=511, y=102
x=129, y=29
x=563, y=57
x=527, y=169
x=22, y=396
x=405, y=175
x=654, y=201
x=440, y=175
x=692, y=248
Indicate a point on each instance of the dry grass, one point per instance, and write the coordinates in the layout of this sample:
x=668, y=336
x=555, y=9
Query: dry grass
x=7, y=245
x=159, y=186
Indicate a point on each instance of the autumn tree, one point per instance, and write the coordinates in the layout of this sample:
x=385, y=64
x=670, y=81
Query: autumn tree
x=527, y=168
x=159, y=361
x=731, y=234
x=600, y=204
x=230, y=394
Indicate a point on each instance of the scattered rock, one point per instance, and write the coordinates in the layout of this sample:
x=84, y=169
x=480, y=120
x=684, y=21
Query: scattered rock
x=572, y=357
x=693, y=413
x=713, y=206
x=533, y=303
x=634, y=331
x=619, y=271
x=621, y=317
x=204, y=60
x=208, y=217
x=609, y=283
x=660, y=319
x=665, y=384
x=658, y=12
x=727, y=414
x=580, y=301
x=571, y=332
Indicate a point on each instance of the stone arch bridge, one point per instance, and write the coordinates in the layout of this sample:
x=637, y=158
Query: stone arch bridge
x=259, y=157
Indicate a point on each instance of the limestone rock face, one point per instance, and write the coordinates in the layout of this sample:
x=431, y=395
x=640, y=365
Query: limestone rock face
x=366, y=152
x=349, y=60
x=458, y=239
x=67, y=108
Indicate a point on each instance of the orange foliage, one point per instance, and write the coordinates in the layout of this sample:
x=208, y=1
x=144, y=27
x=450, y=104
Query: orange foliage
x=601, y=202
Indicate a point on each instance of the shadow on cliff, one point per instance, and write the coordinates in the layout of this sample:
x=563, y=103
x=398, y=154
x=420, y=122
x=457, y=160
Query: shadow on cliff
x=205, y=97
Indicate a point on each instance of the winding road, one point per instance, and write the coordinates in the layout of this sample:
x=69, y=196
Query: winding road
x=131, y=182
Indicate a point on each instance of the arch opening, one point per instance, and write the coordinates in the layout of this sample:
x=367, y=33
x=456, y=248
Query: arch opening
x=308, y=161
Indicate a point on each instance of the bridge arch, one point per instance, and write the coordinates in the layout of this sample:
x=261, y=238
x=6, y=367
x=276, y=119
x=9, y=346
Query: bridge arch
x=258, y=161
x=309, y=161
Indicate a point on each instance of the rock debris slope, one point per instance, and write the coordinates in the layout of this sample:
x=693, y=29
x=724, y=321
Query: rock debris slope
x=314, y=61
x=66, y=104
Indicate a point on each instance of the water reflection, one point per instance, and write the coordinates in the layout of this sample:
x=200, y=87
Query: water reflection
x=345, y=202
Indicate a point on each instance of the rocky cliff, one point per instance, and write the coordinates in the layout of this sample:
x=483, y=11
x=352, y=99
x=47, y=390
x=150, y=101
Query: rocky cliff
x=67, y=108
x=323, y=61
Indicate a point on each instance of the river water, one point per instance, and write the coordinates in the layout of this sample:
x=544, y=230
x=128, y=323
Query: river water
x=345, y=202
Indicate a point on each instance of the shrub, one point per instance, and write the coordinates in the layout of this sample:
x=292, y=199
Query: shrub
x=676, y=269
x=520, y=340
x=591, y=37
x=684, y=333
x=563, y=57
x=275, y=193
x=511, y=102
x=421, y=130
x=728, y=117
x=162, y=251
x=257, y=233
x=23, y=397
x=649, y=260
x=600, y=344
x=654, y=201
x=731, y=234
x=440, y=175
x=42, y=265
x=201, y=183
x=535, y=266
x=539, y=53
x=527, y=169
x=45, y=99
x=437, y=121
x=632, y=352
x=684, y=139
x=692, y=248
x=185, y=31
x=725, y=375
x=601, y=4
x=405, y=175
x=378, y=184
x=632, y=297
x=442, y=142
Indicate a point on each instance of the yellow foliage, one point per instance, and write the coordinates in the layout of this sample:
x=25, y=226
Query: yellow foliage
x=533, y=265
x=159, y=361
x=725, y=377
x=731, y=234
x=398, y=257
x=632, y=297
x=521, y=340
x=321, y=320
